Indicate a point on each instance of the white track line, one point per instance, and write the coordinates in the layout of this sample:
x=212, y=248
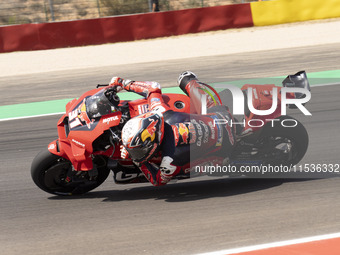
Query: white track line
x=273, y=245
x=33, y=116
x=326, y=84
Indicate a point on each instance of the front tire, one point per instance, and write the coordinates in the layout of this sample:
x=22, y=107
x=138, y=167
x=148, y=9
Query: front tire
x=50, y=173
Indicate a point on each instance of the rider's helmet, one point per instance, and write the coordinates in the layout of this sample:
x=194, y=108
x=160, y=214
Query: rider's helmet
x=142, y=136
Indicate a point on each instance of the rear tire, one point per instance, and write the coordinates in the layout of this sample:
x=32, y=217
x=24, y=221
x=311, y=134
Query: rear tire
x=296, y=137
x=49, y=172
x=280, y=147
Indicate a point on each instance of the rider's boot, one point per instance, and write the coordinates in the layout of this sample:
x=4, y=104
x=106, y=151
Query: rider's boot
x=190, y=85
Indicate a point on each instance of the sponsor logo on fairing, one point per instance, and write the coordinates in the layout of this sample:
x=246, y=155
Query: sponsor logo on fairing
x=192, y=132
x=143, y=108
x=219, y=130
x=122, y=176
x=108, y=120
x=78, y=143
x=51, y=146
x=176, y=133
x=212, y=129
x=183, y=132
x=78, y=117
x=199, y=132
x=206, y=131
x=227, y=127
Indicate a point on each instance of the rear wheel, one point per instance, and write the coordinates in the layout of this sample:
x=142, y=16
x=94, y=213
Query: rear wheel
x=279, y=148
x=284, y=145
x=54, y=175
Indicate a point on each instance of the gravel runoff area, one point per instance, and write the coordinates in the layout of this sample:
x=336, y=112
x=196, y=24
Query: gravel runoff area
x=177, y=47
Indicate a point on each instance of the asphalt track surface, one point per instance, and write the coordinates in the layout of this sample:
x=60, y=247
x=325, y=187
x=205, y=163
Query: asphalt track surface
x=187, y=217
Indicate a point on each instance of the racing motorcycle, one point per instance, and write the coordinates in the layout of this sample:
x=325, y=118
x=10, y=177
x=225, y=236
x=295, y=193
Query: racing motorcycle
x=89, y=137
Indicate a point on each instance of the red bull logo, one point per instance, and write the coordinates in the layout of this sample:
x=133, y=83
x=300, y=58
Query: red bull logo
x=150, y=131
x=83, y=115
x=184, y=132
x=192, y=132
x=176, y=133
x=79, y=117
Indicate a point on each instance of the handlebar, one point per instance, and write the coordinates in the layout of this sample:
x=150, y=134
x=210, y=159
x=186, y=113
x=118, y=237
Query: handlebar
x=111, y=94
x=102, y=85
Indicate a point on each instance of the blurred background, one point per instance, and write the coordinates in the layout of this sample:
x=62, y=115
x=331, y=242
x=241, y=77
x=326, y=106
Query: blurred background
x=40, y=11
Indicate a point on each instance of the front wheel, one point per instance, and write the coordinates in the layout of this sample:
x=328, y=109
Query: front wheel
x=54, y=175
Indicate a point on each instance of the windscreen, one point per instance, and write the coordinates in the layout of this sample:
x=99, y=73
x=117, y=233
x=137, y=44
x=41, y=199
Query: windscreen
x=99, y=105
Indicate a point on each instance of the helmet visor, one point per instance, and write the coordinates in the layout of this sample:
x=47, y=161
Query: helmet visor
x=138, y=154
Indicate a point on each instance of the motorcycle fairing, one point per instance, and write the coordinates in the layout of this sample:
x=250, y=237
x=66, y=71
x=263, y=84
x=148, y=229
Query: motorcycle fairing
x=75, y=142
x=262, y=99
x=70, y=144
x=176, y=102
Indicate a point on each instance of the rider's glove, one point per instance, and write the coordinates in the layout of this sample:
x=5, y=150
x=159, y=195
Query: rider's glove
x=119, y=83
x=167, y=169
x=124, y=154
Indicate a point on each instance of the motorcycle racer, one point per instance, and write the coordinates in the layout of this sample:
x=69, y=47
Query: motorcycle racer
x=180, y=137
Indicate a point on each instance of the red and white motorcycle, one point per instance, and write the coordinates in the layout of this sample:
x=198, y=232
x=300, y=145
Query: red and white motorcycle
x=90, y=135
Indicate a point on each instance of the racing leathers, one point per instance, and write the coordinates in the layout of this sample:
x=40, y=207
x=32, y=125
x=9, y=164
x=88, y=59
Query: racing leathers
x=186, y=136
